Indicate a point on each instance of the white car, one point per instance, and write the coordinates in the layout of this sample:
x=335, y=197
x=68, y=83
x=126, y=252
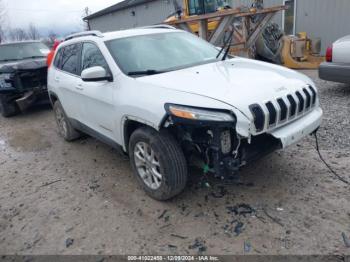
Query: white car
x=165, y=96
x=337, y=67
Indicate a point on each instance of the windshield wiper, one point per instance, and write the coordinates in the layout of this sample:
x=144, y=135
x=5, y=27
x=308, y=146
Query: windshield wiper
x=145, y=72
x=8, y=60
x=34, y=56
x=227, y=45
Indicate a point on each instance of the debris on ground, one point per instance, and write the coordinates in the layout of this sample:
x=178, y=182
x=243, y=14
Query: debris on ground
x=50, y=183
x=162, y=214
x=241, y=210
x=199, y=244
x=200, y=214
x=172, y=247
x=247, y=246
x=178, y=236
x=238, y=228
x=139, y=212
x=93, y=185
x=346, y=239
x=69, y=242
x=165, y=226
x=219, y=193
x=274, y=219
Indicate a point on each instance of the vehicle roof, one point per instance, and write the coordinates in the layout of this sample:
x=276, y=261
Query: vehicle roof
x=343, y=39
x=21, y=42
x=135, y=32
x=121, y=34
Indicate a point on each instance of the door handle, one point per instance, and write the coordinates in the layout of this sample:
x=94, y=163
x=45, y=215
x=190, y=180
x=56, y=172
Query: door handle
x=79, y=87
x=57, y=79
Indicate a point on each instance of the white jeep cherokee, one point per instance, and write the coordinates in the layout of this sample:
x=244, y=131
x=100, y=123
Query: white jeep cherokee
x=164, y=95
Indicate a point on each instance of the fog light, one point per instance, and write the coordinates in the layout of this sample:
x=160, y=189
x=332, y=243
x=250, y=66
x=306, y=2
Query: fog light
x=225, y=139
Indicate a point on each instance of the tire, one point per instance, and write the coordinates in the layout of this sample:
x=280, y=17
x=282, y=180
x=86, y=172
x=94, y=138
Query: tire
x=65, y=128
x=171, y=165
x=7, y=108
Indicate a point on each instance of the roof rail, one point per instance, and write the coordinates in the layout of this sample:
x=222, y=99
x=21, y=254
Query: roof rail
x=86, y=33
x=160, y=26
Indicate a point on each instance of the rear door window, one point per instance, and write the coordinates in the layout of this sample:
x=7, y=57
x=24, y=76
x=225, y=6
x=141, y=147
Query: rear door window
x=70, y=59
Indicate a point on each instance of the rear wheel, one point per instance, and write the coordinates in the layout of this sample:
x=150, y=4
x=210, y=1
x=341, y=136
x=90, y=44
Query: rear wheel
x=65, y=128
x=158, y=163
x=8, y=108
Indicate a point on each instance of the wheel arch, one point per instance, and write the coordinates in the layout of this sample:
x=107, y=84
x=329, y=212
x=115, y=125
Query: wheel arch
x=130, y=124
x=53, y=97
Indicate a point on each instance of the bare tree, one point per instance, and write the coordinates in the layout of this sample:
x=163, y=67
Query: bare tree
x=2, y=34
x=33, y=33
x=2, y=21
x=18, y=34
x=86, y=24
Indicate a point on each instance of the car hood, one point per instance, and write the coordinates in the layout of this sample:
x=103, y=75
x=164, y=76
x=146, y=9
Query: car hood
x=28, y=64
x=238, y=82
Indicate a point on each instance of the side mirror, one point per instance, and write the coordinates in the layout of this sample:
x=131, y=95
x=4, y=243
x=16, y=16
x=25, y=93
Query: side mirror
x=95, y=74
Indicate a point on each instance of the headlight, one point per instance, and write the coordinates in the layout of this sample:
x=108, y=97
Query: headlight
x=3, y=80
x=192, y=113
x=5, y=76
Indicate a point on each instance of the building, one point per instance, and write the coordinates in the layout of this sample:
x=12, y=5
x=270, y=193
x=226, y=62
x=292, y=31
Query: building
x=326, y=19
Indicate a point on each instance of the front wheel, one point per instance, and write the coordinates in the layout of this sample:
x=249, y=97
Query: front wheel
x=65, y=128
x=158, y=162
x=8, y=108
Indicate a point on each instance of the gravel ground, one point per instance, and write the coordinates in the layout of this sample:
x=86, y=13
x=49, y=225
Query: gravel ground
x=81, y=198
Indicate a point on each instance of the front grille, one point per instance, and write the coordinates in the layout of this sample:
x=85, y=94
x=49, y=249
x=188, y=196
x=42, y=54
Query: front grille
x=293, y=106
x=283, y=109
x=259, y=117
x=301, y=102
x=308, y=98
x=272, y=113
x=314, y=95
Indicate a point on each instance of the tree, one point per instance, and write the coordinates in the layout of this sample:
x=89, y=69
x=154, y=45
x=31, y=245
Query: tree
x=33, y=33
x=2, y=34
x=86, y=24
x=2, y=21
x=18, y=34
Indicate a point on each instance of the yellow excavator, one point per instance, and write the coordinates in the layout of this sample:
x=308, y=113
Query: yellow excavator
x=194, y=8
x=293, y=51
x=298, y=52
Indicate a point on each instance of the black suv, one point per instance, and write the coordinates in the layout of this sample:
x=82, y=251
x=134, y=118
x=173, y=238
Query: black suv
x=23, y=76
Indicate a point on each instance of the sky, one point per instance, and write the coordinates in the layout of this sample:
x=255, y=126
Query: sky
x=61, y=16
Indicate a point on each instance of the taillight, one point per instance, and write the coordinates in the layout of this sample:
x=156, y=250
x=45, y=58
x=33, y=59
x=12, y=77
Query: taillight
x=329, y=54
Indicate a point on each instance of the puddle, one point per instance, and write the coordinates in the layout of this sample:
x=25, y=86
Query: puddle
x=28, y=140
x=2, y=143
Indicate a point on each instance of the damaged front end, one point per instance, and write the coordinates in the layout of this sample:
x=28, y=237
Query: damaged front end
x=209, y=139
x=23, y=84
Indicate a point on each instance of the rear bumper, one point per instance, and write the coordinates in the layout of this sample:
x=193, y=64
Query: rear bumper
x=300, y=128
x=336, y=72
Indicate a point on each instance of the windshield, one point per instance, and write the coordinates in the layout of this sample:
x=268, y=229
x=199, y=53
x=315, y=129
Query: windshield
x=200, y=7
x=19, y=51
x=159, y=53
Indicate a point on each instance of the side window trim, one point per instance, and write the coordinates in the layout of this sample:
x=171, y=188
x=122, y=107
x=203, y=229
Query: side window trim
x=57, y=61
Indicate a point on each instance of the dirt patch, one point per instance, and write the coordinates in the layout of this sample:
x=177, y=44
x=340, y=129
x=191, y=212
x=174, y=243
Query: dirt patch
x=28, y=140
x=81, y=197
